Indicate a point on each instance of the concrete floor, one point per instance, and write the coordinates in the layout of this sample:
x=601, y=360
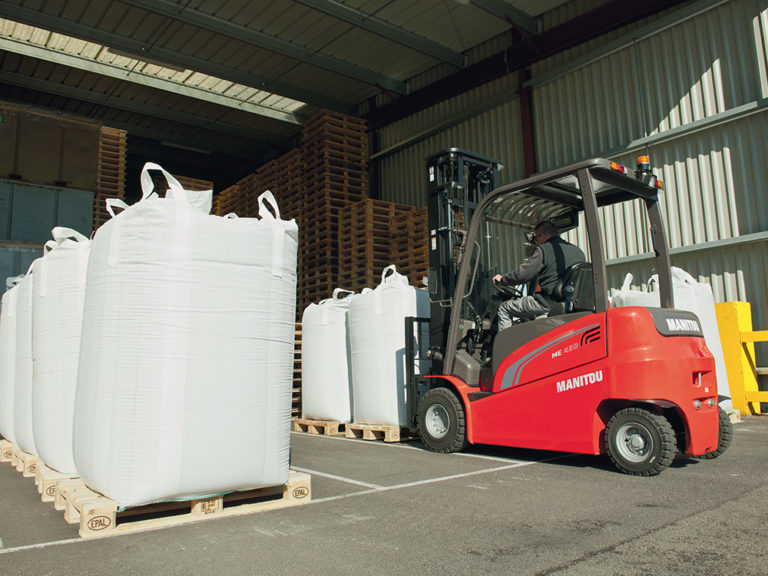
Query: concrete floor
x=397, y=509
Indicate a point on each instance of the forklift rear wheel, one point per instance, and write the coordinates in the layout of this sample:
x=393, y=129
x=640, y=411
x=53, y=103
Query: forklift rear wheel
x=640, y=442
x=442, y=425
x=724, y=436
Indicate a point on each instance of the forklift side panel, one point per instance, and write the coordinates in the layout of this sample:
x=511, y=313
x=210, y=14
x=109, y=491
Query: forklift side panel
x=561, y=411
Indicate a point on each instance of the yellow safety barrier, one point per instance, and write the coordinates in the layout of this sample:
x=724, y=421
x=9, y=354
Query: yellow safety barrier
x=734, y=320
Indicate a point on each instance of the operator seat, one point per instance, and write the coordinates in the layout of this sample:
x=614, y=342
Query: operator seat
x=575, y=292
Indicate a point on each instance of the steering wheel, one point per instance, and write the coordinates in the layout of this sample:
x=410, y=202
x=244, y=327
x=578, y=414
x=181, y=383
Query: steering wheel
x=507, y=292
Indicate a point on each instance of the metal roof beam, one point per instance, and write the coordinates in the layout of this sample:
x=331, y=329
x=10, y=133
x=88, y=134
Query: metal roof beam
x=141, y=49
x=133, y=129
x=386, y=30
x=179, y=141
x=120, y=73
x=508, y=13
x=593, y=24
x=128, y=105
x=255, y=38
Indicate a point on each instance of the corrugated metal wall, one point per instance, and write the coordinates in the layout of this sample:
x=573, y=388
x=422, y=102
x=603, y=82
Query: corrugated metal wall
x=690, y=87
x=694, y=96
x=485, y=121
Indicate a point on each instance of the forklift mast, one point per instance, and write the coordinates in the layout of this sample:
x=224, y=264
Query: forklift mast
x=457, y=180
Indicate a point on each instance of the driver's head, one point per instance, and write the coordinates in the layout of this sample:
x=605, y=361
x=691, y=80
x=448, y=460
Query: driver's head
x=543, y=231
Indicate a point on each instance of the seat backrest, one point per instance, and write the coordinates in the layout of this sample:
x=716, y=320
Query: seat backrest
x=576, y=290
x=579, y=287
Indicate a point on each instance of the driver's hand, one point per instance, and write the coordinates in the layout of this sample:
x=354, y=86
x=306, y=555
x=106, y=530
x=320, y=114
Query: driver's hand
x=497, y=279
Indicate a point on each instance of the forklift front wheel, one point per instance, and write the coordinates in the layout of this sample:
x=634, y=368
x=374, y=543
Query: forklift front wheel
x=442, y=424
x=640, y=442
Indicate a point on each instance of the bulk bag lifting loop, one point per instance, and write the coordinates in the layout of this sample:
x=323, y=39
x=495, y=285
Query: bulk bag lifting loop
x=199, y=199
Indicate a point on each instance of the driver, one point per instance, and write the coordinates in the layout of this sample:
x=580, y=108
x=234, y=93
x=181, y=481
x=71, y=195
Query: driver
x=550, y=259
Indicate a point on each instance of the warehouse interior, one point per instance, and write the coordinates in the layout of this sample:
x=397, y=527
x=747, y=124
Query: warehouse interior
x=251, y=250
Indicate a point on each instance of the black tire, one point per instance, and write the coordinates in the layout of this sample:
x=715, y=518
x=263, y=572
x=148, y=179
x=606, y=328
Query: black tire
x=442, y=425
x=724, y=437
x=640, y=442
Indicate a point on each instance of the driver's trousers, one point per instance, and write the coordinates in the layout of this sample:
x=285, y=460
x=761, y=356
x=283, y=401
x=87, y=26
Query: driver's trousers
x=523, y=309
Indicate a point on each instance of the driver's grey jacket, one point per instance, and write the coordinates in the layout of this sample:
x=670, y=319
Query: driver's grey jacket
x=549, y=261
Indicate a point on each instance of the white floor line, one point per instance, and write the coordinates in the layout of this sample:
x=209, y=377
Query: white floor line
x=41, y=545
x=339, y=478
x=402, y=446
x=421, y=482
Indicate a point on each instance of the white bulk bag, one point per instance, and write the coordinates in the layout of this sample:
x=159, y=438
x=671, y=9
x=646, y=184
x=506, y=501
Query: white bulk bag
x=186, y=359
x=693, y=296
x=8, y=357
x=58, y=293
x=377, y=341
x=626, y=296
x=23, y=427
x=325, y=359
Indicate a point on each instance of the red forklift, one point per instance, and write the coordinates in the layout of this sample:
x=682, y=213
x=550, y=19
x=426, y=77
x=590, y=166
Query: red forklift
x=635, y=383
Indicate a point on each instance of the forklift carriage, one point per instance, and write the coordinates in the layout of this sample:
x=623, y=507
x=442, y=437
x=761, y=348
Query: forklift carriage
x=635, y=383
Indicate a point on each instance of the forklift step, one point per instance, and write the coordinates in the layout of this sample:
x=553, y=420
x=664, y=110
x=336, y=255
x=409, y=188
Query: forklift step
x=386, y=432
x=323, y=427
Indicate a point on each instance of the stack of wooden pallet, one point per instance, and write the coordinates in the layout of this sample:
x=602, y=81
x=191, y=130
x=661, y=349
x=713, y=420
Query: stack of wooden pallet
x=189, y=183
x=409, y=248
x=110, y=177
x=227, y=201
x=282, y=176
x=345, y=238
x=365, y=241
x=296, y=390
x=334, y=150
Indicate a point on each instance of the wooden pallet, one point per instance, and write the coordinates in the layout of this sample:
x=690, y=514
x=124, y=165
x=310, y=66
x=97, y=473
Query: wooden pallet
x=296, y=390
x=190, y=183
x=386, y=432
x=25, y=462
x=100, y=516
x=6, y=450
x=110, y=178
x=321, y=427
x=47, y=479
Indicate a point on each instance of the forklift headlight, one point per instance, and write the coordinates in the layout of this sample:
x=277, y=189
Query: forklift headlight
x=697, y=404
x=711, y=402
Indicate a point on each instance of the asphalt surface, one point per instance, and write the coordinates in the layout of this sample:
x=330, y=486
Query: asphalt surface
x=397, y=509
